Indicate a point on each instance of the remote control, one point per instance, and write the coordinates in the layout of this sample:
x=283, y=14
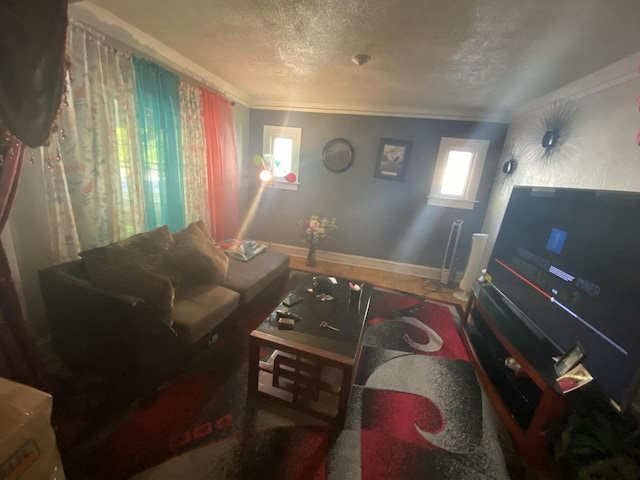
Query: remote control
x=292, y=299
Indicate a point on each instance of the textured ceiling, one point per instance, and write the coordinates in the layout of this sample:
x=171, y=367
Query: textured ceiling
x=470, y=56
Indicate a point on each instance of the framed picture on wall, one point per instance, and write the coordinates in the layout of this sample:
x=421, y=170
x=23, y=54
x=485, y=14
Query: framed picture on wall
x=393, y=157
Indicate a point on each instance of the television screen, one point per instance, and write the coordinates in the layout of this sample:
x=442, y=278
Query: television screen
x=570, y=261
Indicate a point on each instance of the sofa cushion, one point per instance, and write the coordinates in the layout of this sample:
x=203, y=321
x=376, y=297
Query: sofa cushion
x=200, y=224
x=144, y=248
x=200, y=308
x=250, y=278
x=138, y=281
x=196, y=257
x=136, y=266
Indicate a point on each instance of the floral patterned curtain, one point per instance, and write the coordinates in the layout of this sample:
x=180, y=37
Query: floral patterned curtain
x=32, y=67
x=65, y=244
x=194, y=155
x=94, y=182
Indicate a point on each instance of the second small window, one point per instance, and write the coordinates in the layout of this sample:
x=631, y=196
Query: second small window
x=458, y=171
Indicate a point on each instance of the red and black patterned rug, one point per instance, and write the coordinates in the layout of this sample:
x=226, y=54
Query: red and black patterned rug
x=416, y=411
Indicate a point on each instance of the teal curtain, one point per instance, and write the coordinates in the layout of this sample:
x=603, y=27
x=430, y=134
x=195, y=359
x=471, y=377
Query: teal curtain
x=158, y=114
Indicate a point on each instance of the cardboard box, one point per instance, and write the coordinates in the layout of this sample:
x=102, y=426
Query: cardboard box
x=28, y=448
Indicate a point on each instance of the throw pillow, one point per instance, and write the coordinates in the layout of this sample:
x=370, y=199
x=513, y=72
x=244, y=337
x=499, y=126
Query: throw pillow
x=197, y=257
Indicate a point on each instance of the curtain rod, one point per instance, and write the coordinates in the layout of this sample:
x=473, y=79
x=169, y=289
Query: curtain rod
x=186, y=76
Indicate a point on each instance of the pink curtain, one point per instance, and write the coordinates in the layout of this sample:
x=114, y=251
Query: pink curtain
x=222, y=164
x=19, y=359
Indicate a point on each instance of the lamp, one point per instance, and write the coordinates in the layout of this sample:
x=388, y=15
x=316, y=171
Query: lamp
x=265, y=163
x=265, y=175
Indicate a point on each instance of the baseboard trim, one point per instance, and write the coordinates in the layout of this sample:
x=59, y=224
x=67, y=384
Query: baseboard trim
x=430, y=273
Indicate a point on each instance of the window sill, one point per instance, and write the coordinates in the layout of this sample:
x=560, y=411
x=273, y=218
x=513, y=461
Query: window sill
x=451, y=202
x=283, y=185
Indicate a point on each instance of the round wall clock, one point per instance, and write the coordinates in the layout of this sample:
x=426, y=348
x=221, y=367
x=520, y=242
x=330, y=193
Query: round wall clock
x=337, y=155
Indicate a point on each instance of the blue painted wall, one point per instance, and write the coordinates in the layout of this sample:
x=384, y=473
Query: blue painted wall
x=376, y=218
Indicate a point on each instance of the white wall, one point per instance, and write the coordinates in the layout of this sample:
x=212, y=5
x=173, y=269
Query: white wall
x=601, y=151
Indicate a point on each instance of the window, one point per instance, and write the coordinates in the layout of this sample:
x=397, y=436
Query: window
x=283, y=143
x=126, y=198
x=153, y=161
x=458, y=170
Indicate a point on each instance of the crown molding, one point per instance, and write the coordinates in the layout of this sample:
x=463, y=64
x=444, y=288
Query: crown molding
x=608, y=77
x=392, y=111
x=140, y=42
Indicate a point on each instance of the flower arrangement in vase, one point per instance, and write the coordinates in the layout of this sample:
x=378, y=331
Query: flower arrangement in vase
x=316, y=230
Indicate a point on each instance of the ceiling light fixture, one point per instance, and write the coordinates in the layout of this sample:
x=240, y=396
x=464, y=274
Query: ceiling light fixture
x=360, y=59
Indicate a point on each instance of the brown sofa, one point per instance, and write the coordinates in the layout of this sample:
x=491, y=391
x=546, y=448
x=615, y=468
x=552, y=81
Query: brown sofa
x=143, y=306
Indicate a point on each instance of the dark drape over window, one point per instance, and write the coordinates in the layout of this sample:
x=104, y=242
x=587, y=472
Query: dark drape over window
x=19, y=359
x=32, y=65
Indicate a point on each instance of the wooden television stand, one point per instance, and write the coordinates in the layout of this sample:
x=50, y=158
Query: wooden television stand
x=527, y=400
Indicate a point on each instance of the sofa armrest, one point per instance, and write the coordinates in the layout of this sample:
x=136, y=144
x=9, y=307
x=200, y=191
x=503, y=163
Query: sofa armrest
x=97, y=330
x=88, y=288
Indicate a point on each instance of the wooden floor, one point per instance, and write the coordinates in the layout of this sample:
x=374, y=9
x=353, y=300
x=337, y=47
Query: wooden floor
x=406, y=283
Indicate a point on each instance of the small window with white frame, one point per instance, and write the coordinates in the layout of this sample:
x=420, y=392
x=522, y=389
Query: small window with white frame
x=283, y=144
x=458, y=171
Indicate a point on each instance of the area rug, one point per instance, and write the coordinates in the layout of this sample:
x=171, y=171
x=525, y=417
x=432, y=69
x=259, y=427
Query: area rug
x=416, y=411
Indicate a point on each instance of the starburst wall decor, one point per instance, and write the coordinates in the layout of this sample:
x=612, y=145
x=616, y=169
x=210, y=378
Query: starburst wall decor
x=516, y=158
x=553, y=132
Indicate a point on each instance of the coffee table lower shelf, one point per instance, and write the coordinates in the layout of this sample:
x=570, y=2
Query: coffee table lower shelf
x=301, y=380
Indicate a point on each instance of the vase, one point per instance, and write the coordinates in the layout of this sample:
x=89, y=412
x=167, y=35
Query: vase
x=311, y=255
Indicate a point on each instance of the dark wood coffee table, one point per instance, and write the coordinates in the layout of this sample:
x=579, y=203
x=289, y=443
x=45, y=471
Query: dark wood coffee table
x=311, y=368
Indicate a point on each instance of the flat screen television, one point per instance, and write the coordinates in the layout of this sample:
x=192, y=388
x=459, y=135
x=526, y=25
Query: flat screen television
x=568, y=261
